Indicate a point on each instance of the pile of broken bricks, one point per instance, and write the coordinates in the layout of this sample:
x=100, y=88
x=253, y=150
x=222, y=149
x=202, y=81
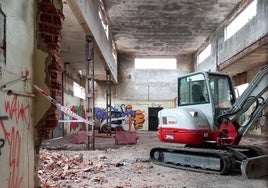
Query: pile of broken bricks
x=63, y=168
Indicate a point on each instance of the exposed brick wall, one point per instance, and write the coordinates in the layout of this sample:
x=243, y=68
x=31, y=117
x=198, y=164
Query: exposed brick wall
x=50, y=20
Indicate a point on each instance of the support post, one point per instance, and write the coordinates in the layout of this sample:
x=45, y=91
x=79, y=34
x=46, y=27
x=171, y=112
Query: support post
x=90, y=97
x=108, y=100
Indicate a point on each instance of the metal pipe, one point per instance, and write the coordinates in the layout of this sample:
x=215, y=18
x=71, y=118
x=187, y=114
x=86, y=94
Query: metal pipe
x=13, y=82
x=21, y=94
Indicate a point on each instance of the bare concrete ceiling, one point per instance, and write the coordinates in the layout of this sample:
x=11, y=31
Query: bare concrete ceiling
x=154, y=28
x=164, y=27
x=73, y=44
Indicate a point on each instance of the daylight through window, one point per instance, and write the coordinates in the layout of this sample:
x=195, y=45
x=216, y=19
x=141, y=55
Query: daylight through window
x=242, y=19
x=155, y=63
x=204, y=54
x=79, y=91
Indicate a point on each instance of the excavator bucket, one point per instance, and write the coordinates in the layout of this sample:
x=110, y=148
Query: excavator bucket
x=255, y=167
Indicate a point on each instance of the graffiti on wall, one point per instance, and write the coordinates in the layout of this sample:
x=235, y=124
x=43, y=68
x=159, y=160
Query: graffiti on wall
x=2, y=143
x=17, y=111
x=79, y=110
x=19, y=114
x=13, y=140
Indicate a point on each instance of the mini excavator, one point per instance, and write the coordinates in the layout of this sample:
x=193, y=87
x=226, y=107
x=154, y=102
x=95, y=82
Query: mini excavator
x=210, y=121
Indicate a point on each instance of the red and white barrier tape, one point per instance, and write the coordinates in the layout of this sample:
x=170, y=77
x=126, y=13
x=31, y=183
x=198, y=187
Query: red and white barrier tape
x=64, y=109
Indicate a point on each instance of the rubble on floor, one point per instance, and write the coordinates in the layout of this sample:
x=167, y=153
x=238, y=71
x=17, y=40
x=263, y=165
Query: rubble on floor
x=60, y=168
x=67, y=165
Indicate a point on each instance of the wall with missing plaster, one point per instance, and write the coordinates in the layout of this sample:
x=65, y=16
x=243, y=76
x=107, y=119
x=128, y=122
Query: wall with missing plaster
x=49, y=20
x=16, y=118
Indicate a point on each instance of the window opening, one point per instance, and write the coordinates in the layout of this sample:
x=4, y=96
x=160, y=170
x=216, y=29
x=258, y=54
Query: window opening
x=242, y=19
x=103, y=18
x=79, y=91
x=155, y=63
x=240, y=89
x=204, y=54
x=114, y=52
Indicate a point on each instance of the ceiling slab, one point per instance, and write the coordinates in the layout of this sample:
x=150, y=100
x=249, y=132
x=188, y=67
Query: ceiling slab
x=255, y=59
x=157, y=28
x=73, y=49
x=164, y=27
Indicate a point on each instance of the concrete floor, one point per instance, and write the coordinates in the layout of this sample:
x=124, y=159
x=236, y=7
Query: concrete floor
x=116, y=166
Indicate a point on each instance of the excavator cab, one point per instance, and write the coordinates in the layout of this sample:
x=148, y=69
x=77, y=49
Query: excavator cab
x=222, y=94
x=212, y=93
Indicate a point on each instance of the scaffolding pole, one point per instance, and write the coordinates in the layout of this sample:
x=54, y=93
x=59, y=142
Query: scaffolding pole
x=108, y=101
x=90, y=98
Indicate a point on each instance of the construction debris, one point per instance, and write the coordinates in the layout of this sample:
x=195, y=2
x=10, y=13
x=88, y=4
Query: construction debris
x=60, y=168
x=124, y=166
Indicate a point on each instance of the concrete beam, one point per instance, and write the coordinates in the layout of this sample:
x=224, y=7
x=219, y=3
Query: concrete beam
x=251, y=48
x=87, y=15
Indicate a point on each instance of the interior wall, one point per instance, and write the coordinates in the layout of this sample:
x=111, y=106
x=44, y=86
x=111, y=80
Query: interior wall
x=254, y=30
x=222, y=50
x=72, y=103
x=142, y=105
x=70, y=75
x=144, y=88
x=16, y=117
x=135, y=84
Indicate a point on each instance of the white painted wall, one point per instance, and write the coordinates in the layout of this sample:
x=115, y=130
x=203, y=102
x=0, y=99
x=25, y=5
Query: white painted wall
x=70, y=101
x=17, y=154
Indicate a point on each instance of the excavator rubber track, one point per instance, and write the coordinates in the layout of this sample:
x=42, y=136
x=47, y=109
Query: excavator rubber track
x=250, y=161
x=195, y=159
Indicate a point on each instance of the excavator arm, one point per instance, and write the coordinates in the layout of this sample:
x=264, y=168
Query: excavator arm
x=255, y=94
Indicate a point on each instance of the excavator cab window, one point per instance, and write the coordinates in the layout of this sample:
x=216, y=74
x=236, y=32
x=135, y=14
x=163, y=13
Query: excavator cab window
x=192, y=90
x=222, y=93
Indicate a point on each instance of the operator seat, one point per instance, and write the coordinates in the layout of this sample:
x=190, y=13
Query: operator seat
x=197, y=95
